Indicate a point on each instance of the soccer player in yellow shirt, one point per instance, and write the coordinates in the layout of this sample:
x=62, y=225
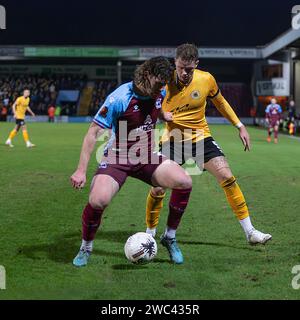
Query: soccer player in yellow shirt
x=184, y=105
x=20, y=106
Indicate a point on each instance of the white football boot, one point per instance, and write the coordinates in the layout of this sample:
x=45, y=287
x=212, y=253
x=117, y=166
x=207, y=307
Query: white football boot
x=29, y=144
x=8, y=143
x=256, y=237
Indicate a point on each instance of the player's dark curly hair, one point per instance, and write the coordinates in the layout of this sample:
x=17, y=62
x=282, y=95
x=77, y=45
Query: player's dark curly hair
x=159, y=67
x=187, y=52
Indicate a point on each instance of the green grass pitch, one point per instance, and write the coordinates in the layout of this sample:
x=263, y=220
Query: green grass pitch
x=40, y=225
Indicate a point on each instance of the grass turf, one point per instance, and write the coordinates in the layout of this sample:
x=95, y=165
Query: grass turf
x=40, y=226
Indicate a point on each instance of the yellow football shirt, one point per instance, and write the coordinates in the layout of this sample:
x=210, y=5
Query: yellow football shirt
x=188, y=105
x=21, y=107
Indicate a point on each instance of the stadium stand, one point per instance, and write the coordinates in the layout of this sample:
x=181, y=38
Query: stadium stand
x=238, y=95
x=45, y=91
x=101, y=89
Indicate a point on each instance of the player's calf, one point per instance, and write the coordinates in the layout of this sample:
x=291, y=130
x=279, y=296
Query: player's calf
x=91, y=219
x=153, y=207
x=177, y=205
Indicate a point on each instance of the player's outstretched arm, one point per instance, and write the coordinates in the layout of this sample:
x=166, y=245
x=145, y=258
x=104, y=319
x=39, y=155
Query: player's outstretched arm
x=78, y=179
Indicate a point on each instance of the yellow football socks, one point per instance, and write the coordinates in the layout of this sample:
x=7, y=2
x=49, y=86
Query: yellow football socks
x=153, y=208
x=235, y=198
x=12, y=134
x=25, y=136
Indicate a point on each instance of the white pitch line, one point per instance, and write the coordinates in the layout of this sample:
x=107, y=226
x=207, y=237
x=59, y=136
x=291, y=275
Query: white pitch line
x=293, y=137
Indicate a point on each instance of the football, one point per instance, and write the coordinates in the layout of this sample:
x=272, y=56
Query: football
x=141, y=247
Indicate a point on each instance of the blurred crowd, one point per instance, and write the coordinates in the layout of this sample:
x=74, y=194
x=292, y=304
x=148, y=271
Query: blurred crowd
x=239, y=97
x=101, y=89
x=44, y=90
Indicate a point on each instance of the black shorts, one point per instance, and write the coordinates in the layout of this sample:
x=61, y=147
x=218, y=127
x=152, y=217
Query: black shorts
x=20, y=122
x=201, y=151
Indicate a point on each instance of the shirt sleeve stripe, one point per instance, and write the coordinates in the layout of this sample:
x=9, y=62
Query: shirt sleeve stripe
x=211, y=97
x=102, y=125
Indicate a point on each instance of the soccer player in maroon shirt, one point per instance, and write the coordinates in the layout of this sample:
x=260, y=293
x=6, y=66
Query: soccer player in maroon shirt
x=131, y=111
x=273, y=116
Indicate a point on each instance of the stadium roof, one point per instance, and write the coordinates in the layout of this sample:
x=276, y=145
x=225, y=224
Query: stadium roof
x=289, y=39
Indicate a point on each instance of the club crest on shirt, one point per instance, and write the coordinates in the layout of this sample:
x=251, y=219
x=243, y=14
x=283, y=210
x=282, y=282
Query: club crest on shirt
x=195, y=94
x=103, y=111
x=136, y=108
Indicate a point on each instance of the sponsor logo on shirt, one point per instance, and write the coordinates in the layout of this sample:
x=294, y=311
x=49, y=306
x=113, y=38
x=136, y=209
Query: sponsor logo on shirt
x=148, y=124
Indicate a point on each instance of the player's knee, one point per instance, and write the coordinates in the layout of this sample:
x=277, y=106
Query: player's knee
x=158, y=191
x=185, y=182
x=98, y=202
x=224, y=174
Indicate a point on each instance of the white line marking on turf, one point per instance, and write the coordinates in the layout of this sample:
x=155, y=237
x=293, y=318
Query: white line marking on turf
x=293, y=137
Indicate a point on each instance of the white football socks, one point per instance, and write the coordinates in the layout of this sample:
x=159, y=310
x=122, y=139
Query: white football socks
x=170, y=233
x=151, y=231
x=87, y=245
x=247, y=225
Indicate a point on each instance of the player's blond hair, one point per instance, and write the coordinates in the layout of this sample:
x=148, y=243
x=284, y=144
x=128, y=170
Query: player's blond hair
x=187, y=52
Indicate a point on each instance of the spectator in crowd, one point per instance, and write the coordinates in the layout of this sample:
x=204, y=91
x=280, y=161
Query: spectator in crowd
x=3, y=113
x=51, y=113
x=57, y=113
x=291, y=109
x=292, y=127
x=290, y=121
